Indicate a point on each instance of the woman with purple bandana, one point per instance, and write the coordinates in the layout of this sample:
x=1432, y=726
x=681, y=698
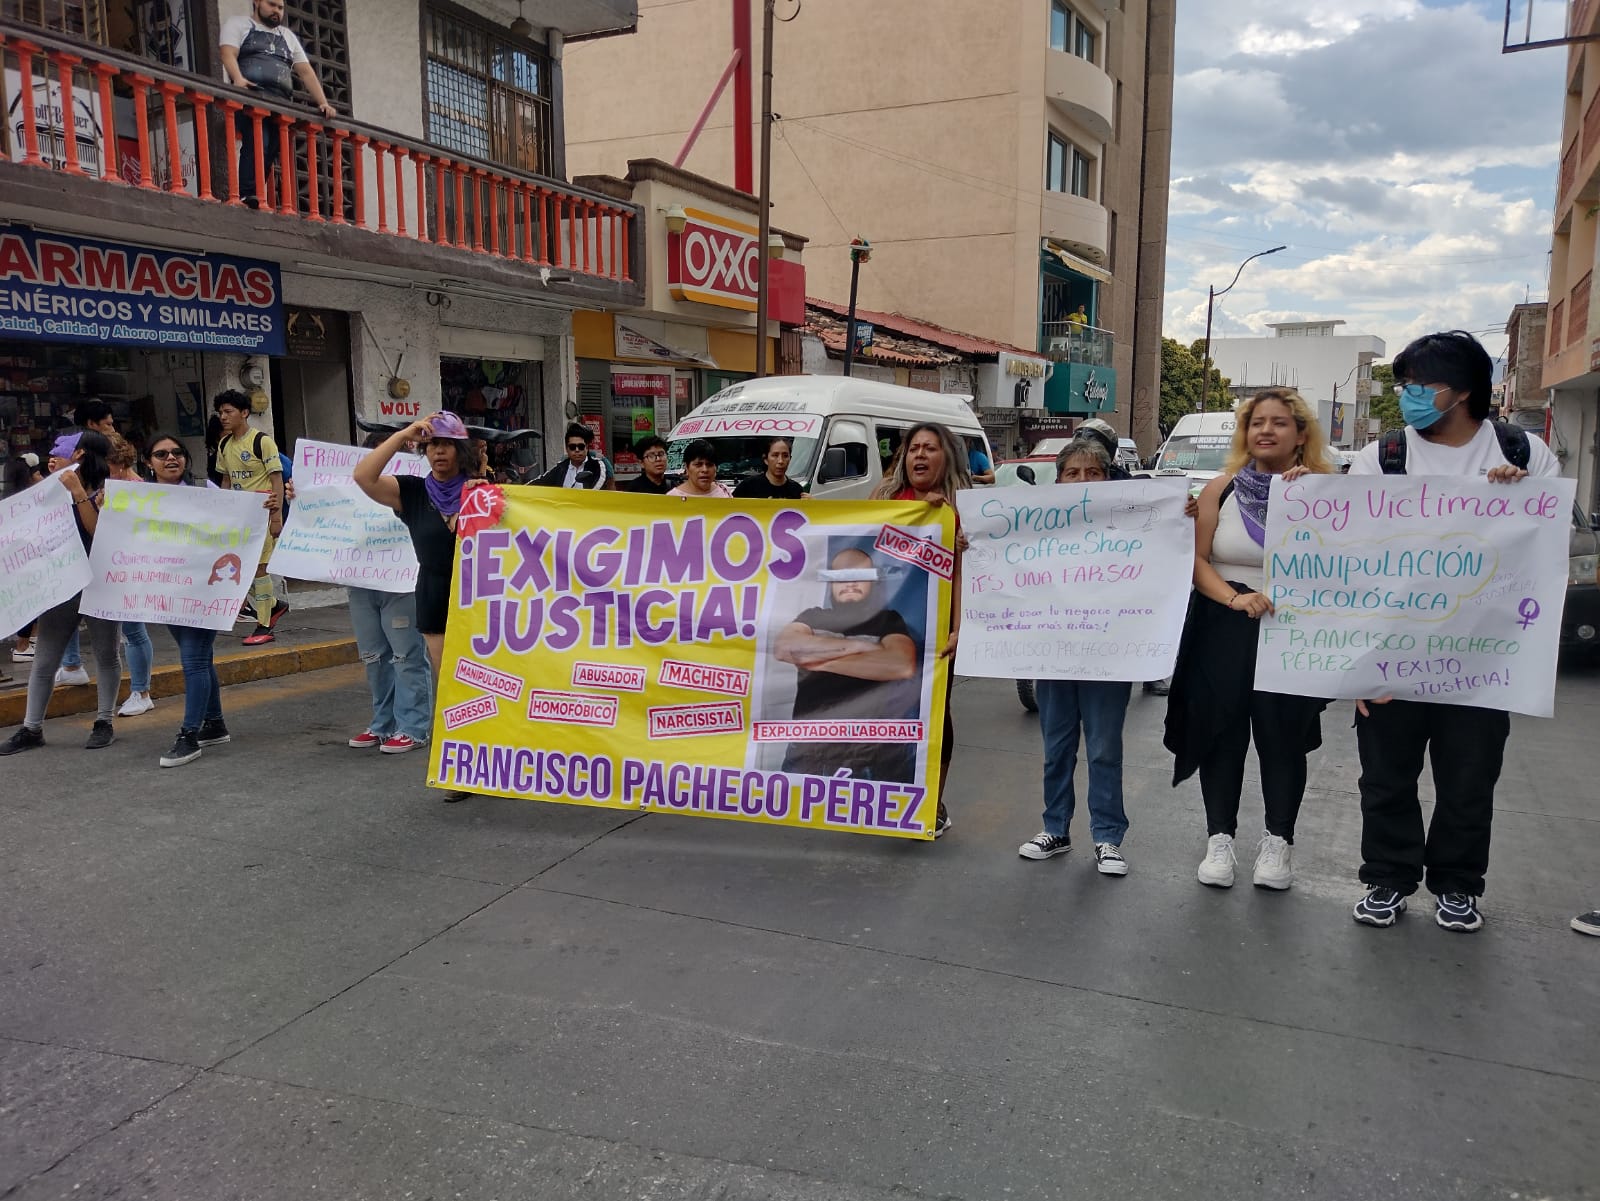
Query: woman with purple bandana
x=1214, y=708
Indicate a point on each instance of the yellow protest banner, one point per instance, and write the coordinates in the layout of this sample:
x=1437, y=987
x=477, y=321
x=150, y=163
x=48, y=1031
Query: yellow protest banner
x=755, y=660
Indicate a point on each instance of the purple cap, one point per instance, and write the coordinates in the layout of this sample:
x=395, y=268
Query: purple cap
x=63, y=446
x=447, y=425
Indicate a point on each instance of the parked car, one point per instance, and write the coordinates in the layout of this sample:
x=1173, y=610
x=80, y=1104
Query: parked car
x=1022, y=471
x=1580, y=616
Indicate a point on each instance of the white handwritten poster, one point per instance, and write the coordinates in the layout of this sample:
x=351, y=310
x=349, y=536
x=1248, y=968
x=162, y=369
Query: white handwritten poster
x=1075, y=581
x=330, y=463
x=1424, y=588
x=336, y=534
x=42, y=560
x=173, y=555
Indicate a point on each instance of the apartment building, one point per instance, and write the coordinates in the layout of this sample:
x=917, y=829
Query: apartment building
x=420, y=248
x=1008, y=162
x=1571, y=374
x=1333, y=371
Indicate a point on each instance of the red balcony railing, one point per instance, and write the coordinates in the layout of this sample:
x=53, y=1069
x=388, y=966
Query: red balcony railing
x=1569, y=173
x=1578, y=311
x=337, y=172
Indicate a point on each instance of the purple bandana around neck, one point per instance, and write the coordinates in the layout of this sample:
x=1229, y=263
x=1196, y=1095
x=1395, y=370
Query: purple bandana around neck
x=1250, y=489
x=445, y=495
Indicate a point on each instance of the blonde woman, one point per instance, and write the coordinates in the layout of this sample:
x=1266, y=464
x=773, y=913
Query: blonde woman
x=1214, y=709
x=932, y=467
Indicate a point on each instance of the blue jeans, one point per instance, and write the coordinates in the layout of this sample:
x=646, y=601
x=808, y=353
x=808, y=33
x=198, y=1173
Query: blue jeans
x=398, y=675
x=202, y=691
x=72, y=657
x=141, y=655
x=1099, y=707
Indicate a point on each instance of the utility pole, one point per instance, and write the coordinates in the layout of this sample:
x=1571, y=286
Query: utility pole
x=764, y=199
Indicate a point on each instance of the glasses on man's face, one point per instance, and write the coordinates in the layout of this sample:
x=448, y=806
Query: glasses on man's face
x=577, y=446
x=169, y=454
x=655, y=454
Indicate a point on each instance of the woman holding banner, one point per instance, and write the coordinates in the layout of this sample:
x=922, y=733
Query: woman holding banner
x=124, y=462
x=79, y=463
x=1214, y=708
x=931, y=467
x=202, y=726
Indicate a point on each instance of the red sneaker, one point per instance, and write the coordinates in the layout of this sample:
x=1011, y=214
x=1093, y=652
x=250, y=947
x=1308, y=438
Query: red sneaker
x=260, y=637
x=366, y=740
x=399, y=744
x=278, y=610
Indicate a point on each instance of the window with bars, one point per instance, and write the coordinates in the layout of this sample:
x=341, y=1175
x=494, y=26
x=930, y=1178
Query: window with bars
x=488, y=95
x=320, y=25
x=84, y=19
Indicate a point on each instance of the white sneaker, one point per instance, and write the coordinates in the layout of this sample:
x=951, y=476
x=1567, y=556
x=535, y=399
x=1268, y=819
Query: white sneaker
x=1216, y=869
x=1274, y=863
x=137, y=703
x=72, y=675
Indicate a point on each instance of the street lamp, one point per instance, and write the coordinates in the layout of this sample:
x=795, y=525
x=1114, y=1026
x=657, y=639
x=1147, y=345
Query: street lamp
x=1211, y=300
x=860, y=252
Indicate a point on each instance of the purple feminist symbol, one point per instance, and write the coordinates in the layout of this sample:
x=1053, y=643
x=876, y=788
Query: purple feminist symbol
x=1528, y=610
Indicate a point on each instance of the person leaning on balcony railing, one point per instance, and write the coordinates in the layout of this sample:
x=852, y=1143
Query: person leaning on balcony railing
x=260, y=55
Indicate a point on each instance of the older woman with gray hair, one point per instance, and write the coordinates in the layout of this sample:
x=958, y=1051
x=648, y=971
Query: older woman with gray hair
x=1091, y=709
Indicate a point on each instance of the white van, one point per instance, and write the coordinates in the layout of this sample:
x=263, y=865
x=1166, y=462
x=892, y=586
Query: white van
x=843, y=432
x=1197, y=446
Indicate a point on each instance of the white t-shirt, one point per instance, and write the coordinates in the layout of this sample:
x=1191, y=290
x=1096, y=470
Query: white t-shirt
x=236, y=29
x=1474, y=459
x=1235, y=554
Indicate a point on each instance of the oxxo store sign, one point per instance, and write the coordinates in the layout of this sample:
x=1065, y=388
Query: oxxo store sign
x=715, y=260
x=1082, y=388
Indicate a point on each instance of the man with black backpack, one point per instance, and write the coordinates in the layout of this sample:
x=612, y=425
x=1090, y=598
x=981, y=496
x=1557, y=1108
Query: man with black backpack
x=249, y=462
x=1444, y=382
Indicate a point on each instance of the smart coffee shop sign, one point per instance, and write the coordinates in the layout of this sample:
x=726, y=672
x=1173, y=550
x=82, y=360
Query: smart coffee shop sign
x=59, y=288
x=715, y=260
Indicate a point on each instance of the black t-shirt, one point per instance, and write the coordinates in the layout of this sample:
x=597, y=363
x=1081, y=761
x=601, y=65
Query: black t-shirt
x=433, y=539
x=641, y=483
x=828, y=694
x=759, y=487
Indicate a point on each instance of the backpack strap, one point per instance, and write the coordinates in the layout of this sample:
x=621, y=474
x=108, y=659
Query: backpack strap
x=1514, y=444
x=1392, y=452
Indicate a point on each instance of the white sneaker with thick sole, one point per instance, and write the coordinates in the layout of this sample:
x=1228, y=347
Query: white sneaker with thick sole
x=1216, y=869
x=137, y=703
x=1274, y=863
x=71, y=675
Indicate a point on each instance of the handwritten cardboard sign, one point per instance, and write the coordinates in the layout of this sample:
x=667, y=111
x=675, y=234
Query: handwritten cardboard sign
x=318, y=463
x=336, y=534
x=1440, y=589
x=172, y=555
x=1075, y=581
x=42, y=560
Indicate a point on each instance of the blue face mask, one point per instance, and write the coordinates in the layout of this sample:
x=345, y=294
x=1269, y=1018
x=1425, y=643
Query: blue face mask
x=1416, y=406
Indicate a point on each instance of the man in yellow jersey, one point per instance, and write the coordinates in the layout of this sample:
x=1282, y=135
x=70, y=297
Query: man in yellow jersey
x=248, y=460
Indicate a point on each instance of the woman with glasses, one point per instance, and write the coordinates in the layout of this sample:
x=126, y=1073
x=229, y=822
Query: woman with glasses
x=652, y=452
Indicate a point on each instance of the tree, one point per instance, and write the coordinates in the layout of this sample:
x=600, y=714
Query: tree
x=1384, y=407
x=1180, y=382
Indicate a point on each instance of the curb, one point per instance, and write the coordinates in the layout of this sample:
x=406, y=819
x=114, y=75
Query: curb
x=167, y=681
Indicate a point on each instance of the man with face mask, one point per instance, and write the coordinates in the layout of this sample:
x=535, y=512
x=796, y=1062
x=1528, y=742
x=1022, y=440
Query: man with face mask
x=856, y=659
x=1444, y=382
x=262, y=56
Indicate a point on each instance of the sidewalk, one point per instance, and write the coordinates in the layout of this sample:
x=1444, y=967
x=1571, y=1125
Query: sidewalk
x=307, y=639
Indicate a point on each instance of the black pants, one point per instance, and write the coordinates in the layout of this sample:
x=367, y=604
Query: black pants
x=247, y=156
x=1281, y=726
x=1466, y=746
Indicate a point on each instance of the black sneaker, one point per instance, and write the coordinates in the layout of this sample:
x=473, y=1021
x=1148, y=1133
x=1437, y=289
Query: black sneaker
x=1108, y=860
x=1380, y=907
x=213, y=731
x=1587, y=923
x=185, y=749
x=101, y=736
x=1458, y=911
x=941, y=821
x=1044, y=845
x=278, y=610
x=23, y=740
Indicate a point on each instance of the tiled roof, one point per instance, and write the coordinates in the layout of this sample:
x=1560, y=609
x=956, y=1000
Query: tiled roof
x=888, y=349
x=963, y=345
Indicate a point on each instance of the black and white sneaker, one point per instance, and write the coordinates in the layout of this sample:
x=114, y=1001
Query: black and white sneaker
x=1108, y=860
x=941, y=821
x=1380, y=907
x=1588, y=923
x=1044, y=845
x=23, y=739
x=1458, y=911
x=213, y=732
x=185, y=749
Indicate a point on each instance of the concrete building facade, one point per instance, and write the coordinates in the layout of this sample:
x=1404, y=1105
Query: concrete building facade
x=1008, y=163
x=1332, y=371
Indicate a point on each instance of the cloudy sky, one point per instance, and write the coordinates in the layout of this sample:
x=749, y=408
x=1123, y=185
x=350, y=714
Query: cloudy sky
x=1408, y=164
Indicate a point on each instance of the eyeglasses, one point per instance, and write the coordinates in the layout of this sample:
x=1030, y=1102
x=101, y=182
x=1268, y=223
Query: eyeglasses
x=655, y=454
x=577, y=446
x=169, y=454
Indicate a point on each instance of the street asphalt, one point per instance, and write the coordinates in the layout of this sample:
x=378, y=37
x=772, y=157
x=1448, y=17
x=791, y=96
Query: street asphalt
x=288, y=970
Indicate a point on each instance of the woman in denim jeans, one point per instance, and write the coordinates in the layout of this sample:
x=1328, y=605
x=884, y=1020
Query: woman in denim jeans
x=202, y=691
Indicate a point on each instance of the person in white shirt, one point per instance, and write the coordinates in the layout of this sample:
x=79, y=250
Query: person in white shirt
x=1444, y=383
x=260, y=55
x=581, y=468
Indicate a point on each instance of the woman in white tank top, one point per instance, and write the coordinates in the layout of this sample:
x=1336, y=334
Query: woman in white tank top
x=1214, y=709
